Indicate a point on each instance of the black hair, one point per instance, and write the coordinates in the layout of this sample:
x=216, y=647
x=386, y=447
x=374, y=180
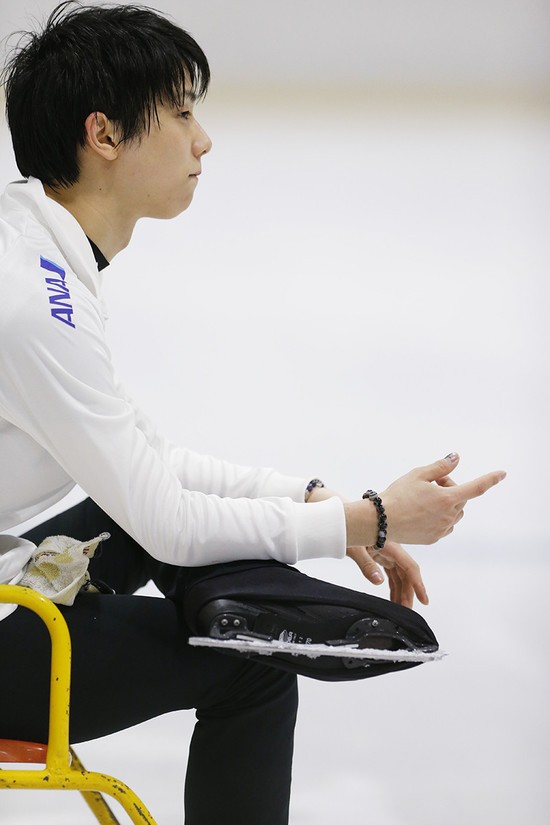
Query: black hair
x=122, y=60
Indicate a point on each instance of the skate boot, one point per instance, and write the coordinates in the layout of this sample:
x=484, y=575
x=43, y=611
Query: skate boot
x=302, y=624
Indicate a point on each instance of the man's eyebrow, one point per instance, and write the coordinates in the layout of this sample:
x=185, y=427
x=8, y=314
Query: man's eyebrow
x=192, y=96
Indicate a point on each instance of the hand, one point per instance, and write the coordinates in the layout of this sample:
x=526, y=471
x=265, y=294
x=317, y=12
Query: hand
x=418, y=511
x=423, y=512
x=403, y=572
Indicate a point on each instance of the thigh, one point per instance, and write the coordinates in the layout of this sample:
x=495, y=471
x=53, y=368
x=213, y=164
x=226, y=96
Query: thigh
x=131, y=662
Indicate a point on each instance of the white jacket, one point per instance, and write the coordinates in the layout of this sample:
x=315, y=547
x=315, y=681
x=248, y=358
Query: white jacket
x=66, y=420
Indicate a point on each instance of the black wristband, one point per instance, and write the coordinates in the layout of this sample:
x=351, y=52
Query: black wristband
x=382, y=520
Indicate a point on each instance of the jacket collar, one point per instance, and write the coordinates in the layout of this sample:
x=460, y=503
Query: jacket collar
x=67, y=233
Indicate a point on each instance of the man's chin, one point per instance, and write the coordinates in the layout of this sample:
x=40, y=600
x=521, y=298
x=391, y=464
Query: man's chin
x=170, y=210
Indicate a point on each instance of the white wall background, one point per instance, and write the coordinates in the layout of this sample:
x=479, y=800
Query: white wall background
x=361, y=287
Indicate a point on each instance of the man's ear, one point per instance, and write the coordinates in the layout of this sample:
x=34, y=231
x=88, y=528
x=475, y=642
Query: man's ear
x=101, y=135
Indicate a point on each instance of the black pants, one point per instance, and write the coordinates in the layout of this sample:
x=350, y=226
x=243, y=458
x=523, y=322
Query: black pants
x=131, y=663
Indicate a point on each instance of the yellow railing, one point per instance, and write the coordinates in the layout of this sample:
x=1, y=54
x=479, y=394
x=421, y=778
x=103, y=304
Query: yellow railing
x=63, y=770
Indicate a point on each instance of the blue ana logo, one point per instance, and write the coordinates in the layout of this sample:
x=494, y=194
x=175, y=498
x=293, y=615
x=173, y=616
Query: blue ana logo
x=60, y=299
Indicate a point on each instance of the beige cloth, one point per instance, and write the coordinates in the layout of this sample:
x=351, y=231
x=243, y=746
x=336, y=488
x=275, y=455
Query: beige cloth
x=58, y=567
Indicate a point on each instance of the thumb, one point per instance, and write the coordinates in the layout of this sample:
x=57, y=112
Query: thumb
x=439, y=469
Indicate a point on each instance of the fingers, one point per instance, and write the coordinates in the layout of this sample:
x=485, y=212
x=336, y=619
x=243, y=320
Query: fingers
x=479, y=486
x=415, y=586
x=404, y=576
x=368, y=567
x=394, y=582
x=449, y=530
x=402, y=589
x=407, y=593
x=403, y=572
x=439, y=472
x=446, y=481
x=439, y=469
x=380, y=558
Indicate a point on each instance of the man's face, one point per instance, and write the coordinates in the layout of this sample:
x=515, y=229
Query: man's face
x=160, y=172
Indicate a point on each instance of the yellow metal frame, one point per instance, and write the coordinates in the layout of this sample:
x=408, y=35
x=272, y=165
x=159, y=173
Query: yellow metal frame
x=63, y=770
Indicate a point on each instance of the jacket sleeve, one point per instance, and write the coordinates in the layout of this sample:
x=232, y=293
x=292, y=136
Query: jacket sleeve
x=206, y=474
x=59, y=387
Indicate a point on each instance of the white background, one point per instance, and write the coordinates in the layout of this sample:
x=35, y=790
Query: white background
x=360, y=287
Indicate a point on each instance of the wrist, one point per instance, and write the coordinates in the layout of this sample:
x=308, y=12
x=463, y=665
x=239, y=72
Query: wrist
x=361, y=523
x=371, y=495
x=321, y=494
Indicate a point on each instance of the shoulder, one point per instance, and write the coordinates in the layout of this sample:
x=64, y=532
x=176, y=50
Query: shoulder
x=38, y=286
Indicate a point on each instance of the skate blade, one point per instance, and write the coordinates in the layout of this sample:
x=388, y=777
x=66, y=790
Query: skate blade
x=313, y=651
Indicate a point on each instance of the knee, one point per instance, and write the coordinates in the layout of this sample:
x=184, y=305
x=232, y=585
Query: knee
x=277, y=690
x=253, y=686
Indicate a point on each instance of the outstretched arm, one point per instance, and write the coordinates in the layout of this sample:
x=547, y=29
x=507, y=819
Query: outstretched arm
x=421, y=507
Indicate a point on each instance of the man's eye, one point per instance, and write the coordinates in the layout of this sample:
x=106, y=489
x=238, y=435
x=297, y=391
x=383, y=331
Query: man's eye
x=185, y=115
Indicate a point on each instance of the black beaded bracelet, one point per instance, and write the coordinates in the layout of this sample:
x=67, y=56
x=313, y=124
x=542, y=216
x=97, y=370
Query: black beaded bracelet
x=315, y=482
x=382, y=520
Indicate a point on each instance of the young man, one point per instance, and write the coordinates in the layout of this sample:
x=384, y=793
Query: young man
x=101, y=107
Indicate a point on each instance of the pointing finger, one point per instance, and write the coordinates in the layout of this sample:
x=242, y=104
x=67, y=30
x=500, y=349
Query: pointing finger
x=479, y=486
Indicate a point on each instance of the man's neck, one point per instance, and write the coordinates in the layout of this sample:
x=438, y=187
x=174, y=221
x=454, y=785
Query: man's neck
x=98, y=216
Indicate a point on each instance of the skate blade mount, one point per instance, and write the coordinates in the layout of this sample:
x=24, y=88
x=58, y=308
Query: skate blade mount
x=246, y=644
x=303, y=630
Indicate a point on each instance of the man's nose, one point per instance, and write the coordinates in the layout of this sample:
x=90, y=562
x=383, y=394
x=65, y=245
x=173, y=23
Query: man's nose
x=202, y=143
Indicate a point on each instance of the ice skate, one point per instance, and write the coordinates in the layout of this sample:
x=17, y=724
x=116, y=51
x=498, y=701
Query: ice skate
x=309, y=626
